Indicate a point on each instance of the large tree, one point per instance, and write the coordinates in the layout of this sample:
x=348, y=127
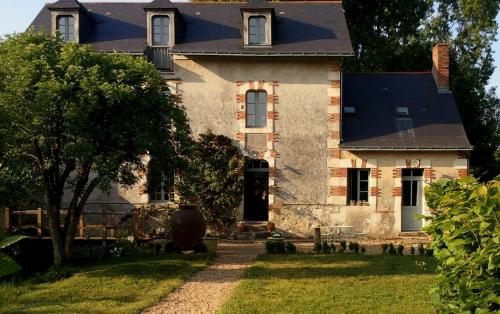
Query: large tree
x=396, y=35
x=76, y=120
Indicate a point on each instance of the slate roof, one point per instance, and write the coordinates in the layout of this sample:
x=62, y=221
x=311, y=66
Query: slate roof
x=215, y=28
x=434, y=118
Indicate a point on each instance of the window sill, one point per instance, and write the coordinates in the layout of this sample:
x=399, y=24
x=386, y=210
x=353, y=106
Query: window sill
x=357, y=205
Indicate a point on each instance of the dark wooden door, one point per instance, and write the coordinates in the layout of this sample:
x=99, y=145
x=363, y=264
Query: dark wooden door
x=256, y=195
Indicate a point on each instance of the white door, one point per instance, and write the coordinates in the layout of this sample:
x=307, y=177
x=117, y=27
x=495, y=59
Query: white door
x=411, y=202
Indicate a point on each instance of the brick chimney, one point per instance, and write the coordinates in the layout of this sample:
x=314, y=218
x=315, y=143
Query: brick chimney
x=441, y=67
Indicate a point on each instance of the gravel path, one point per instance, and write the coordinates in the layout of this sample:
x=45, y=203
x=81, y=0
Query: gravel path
x=208, y=289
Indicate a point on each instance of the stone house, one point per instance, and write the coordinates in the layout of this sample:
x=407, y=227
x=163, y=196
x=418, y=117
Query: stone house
x=328, y=147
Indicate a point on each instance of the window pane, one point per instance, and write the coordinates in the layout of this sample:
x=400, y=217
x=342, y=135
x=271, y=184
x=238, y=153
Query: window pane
x=257, y=30
x=363, y=196
x=363, y=186
x=406, y=200
x=417, y=172
x=352, y=182
x=251, y=97
x=407, y=173
x=363, y=174
x=160, y=30
x=414, y=191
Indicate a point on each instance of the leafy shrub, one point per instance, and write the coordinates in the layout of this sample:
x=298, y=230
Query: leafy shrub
x=421, y=249
x=317, y=247
x=351, y=246
x=412, y=250
x=171, y=247
x=333, y=247
x=275, y=247
x=356, y=247
x=52, y=275
x=291, y=248
x=123, y=248
x=400, y=249
x=212, y=180
x=86, y=254
x=343, y=244
x=280, y=247
x=326, y=249
x=429, y=252
x=341, y=250
x=384, y=246
x=466, y=242
x=392, y=249
x=200, y=247
x=363, y=249
x=8, y=266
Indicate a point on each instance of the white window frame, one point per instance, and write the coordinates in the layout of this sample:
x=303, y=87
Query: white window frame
x=165, y=196
x=256, y=112
x=358, y=184
x=258, y=27
x=64, y=33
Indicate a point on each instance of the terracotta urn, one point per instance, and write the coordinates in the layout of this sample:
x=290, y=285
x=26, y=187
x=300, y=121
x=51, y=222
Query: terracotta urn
x=271, y=226
x=188, y=227
x=240, y=226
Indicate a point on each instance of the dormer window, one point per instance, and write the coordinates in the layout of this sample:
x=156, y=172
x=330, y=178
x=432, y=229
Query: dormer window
x=66, y=27
x=258, y=19
x=161, y=28
x=257, y=30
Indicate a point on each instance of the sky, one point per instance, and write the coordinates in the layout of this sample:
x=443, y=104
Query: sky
x=16, y=15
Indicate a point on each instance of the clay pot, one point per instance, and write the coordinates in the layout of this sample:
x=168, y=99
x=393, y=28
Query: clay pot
x=240, y=227
x=271, y=226
x=188, y=227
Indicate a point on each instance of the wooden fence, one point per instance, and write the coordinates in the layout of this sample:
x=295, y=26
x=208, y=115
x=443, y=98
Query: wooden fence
x=93, y=225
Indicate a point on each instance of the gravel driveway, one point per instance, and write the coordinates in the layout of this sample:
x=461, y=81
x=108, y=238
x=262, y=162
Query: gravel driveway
x=209, y=288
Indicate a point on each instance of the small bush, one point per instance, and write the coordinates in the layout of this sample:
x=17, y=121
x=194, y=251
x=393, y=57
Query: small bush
x=270, y=247
x=363, y=250
x=122, y=248
x=291, y=248
x=326, y=249
x=341, y=250
x=171, y=247
x=52, y=275
x=333, y=247
x=200, y=247
x=384, y=246
x=412, y=250
x=317, y=248
x=356, y=247
x=392, y=249
x=401, y=248
x=343, y=244
x=429, y=252
x=275, y=247
x=351, y=246
x=421, y=249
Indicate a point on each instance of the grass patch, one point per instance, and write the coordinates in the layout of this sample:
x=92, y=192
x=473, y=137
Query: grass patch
x=125, y=285
x=339, y=283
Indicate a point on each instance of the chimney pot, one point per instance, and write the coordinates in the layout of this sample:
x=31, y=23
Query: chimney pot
x=441, y=67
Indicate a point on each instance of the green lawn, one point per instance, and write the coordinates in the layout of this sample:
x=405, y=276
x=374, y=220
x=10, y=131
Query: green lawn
x=339, y=283
x=125, y=285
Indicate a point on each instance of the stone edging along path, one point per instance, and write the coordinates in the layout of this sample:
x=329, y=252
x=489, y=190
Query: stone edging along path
x=208, y=289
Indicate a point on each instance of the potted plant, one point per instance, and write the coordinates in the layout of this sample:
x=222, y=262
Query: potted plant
x=211, y=242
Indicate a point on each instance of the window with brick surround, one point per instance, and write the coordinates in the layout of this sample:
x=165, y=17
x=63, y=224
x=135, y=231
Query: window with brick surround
x=256, y=109
x=257, y=30
x=358, y=185
x=66, y=27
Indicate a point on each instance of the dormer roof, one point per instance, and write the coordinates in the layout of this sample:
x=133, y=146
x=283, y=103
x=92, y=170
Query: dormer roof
x=257, y=5
x=65, y=5
x=160, y=5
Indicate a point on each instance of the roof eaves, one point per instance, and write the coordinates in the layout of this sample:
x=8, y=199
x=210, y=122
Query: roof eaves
x=402, y=148
x=260, y=53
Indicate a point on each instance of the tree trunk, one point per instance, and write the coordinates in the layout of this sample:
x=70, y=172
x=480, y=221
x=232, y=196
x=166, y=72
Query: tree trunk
x=57, y=237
